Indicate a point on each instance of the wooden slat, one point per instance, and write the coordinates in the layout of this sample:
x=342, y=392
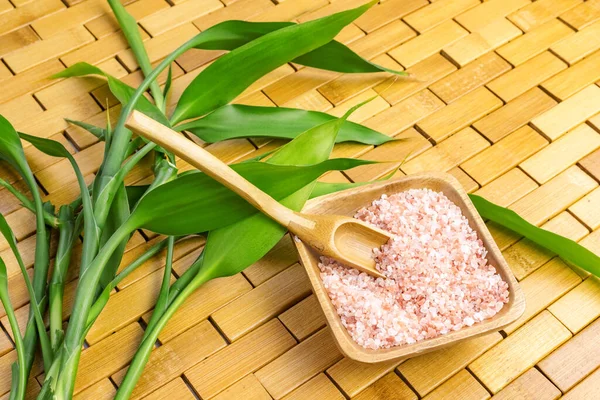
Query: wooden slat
x=586, y=389
x=436, y=13
x=524, y=257
x=561, y=154
x=405, y=114
x=390, y=155
x=459, y=114
x=579, y=45
x=319, y=385
x=240, y=358
x=478, y=17
x=554, y=196
x=241, y=9
x=541, y=11
x=514, y=114
x=429, y=70
x=17, y=39
x=461, y=386
x=286, y=11
x=352, y=377
x=578, y=76
x=453, y=151
x=428, y=43
x=591, y=164
x=580, y=306
x=526, y=76
x=31, y=80
x=535, y=42
x=262, y=303
x=303, y=319
x=428, y=371
x=389, y=387
x=583, y=15
x=71, y=17
x=574, y=360
x=248, y=388
x=386, y=12
x=586, y=210
x=276, y=260
x=179, y=14
x=174, y=389
x=299, y=364
x=482, y=41
x=347, y=86
x=173, y=358
x=210, y=297
x=470, y=77
x=520, y=351
x=569, y=113
x=504, y=155
x=28, y=13
x=542, y=288
x=101, y=360
x=532, y=384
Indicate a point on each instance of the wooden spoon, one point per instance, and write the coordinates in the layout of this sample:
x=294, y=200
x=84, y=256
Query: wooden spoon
x=346, y=239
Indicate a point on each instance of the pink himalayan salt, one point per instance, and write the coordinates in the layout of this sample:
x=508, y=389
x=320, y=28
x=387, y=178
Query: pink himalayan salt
x=438, y=278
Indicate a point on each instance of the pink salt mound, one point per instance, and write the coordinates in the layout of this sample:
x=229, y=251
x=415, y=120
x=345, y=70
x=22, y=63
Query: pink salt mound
x=438, y=278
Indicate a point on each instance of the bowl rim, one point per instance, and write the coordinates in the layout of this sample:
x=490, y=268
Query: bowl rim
x=449, y=185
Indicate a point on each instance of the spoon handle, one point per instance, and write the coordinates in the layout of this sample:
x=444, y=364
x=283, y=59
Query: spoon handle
x=210, y=165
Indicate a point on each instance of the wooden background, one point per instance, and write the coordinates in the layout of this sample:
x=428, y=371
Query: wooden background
x=506, y=100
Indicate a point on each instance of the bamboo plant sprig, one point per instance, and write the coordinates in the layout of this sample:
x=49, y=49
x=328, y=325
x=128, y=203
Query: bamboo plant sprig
x=175, y=204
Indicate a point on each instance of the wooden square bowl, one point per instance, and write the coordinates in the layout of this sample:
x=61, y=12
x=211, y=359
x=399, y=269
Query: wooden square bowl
x=347, y=203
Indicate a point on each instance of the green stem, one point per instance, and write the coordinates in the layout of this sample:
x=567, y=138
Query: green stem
x=136, y=368
x=129, y=28
x=186, y=278
x=40, y=271
x=61, y=265
x=34, y=308
x=75, y=335
x=105, y=295
x=121, y=135
x=163, y=296
x=14, y=326
x=50, y=219
x=108, y=193
x=91, y=233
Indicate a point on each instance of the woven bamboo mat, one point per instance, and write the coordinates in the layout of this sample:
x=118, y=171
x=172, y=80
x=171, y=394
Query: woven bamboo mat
x=506, y=100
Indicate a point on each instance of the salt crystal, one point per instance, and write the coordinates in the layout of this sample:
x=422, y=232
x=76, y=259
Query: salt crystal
x=438, y=279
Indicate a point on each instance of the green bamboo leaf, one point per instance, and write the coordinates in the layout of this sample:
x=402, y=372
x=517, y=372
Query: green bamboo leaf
x=253, y=60
x=333, y=56
x=120, y=90
x=275, y=122
x=100, y=133
x=567, y=249
x=135, y=193
x=130, y=30
x=48, y=146
x=11, y=149
x=196, y=203
x=231, y=249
